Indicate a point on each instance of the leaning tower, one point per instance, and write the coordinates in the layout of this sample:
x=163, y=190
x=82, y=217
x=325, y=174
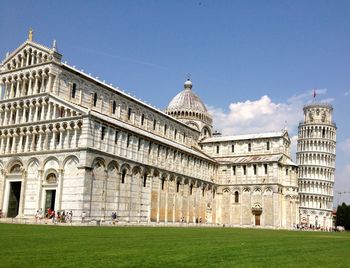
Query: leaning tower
x=316, y=160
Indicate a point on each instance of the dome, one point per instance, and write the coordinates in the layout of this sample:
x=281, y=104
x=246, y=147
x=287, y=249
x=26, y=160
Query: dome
x=187, y=100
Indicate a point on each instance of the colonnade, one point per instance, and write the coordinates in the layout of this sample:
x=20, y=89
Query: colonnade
x=64, y=135
x=322, y=159
x=28, y=83
x=318, y=146
x=325, y=188
x=324, y=132
x=34, y=110
x=316, y=201
x=27, y=57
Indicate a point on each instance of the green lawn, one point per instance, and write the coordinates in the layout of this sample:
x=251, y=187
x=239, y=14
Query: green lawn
x=52, y=246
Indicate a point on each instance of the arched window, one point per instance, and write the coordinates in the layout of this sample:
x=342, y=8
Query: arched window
x=163, y=181
x=236, y=197
x=16, y=169
x=144, y=180
x=123, y=175
x=95, y=99
x=51, y=178
x=74, y=90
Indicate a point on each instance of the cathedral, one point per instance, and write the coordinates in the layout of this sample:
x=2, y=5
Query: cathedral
x=70, y=142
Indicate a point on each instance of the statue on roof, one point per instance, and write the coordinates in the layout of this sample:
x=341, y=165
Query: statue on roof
x=30, y=34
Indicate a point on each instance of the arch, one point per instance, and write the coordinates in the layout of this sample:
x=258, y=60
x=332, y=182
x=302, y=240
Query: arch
x=113, y=166
x=49, y=162
x=51, y=176
x=226, y=190
x=98, y=162
x=32, y=160
x=13, y=162
x=70, y=158
x=136, y=170
x=126, y=167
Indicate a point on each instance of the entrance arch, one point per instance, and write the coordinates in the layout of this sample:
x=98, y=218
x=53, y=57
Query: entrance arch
x=257, y=211
x=13, y=190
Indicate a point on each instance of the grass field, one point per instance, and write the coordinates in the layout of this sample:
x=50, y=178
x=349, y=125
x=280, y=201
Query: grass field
x=53, y=246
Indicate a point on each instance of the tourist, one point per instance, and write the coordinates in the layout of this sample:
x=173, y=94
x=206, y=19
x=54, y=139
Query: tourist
x=114, y=217
x=83, y=215
x=53, y=216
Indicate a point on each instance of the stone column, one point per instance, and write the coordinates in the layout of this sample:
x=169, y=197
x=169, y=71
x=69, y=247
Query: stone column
x=7, y=89
x=37, y=105
x=107, y=139
x=31, y=106
x=43, y=110
x=53, y=142
x=75, y=139
x=30, y=85
x=46, y=141
x=1, y=86
x=48, y=85
x=14, y=143
x=67, y=142
x=22, y=61
x=61, y=137
x=22, y=194
x=5, y=116
x=7, y=143
x=12, y=109
x=54, y=114
x=48, y=114
x=32, y=58
x=166, y=186
x=60, y=189
x=26, y=146
x=150, y=177
x=25, y=107
x=158, y=197
x=18, y=91
x=12, y=89
x=18, y=109
x=27, y=59
x=40, y=188
x=36, y=88
x=33, y=145
x=43, y=88
x=20, y=147
x=2, y=146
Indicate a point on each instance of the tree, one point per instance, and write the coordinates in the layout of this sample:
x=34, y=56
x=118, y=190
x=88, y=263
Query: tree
x=343, y=216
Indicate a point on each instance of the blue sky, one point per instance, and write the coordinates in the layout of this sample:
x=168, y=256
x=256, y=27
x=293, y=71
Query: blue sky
x=259, y=58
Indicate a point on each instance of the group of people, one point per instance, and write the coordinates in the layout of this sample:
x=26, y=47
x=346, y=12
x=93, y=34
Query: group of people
x=59, y=216
x=304, y=226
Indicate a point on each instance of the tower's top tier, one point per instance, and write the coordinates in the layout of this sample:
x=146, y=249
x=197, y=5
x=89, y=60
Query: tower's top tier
x=318, y=113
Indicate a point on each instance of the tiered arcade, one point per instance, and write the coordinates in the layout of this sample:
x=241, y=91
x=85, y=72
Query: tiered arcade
x=316, y=160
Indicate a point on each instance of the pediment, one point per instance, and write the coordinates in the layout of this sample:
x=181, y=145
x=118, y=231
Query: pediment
x=29, y=53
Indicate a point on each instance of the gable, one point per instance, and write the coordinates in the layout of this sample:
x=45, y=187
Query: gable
x=28, y=54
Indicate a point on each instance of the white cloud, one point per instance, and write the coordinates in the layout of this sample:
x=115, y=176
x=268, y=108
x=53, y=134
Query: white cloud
x=260, y=115
x=263, y=115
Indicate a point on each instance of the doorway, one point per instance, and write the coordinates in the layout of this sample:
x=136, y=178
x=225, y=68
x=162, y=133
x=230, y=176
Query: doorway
x=14, y=198
x=50, y=199
x=257, y=220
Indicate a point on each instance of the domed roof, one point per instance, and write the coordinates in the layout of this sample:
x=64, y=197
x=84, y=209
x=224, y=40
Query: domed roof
x=187, y=100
